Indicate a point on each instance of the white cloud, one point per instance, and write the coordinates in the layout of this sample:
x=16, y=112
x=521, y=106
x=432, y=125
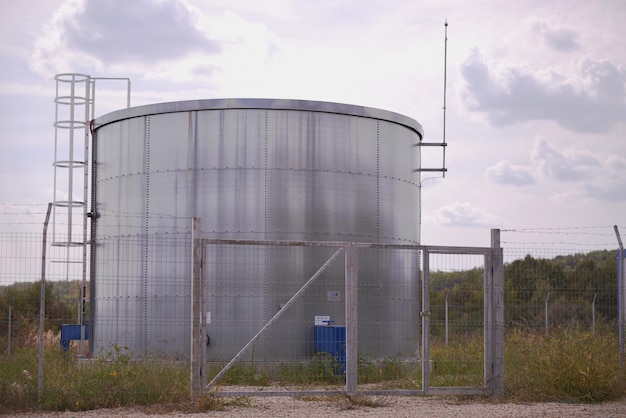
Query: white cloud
x=466, y=215
x=579, y=175
x=558, y=38
x=159, y=40
x=590, y=99
x=506, y=173
x=141, y=30
x=616, y=164
x=609, y=184
x=569, y=165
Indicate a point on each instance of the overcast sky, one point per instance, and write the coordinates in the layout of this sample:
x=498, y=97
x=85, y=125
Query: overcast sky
x=536, y=104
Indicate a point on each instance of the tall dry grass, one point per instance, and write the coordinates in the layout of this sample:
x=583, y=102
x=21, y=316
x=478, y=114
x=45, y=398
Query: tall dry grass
x=568, y=365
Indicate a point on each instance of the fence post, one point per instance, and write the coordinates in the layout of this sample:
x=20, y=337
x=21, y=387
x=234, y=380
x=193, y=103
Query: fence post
x=593, y=315
x=197, y=302
x=497, y=310
x=42, y=304
x=9, y=336
x=621, y=298
x=447, y=324
x=621, y=294
x=351, y=278
x=425, y=314
x=546, y=312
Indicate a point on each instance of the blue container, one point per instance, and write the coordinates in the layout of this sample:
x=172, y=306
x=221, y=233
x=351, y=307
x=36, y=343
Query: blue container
x=71, y=332
x=331, y=339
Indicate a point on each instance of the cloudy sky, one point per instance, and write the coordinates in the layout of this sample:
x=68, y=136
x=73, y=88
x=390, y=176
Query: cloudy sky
x=536, y=103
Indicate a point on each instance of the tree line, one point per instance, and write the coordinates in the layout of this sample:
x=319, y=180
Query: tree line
x=577, y=289
x=22, y=301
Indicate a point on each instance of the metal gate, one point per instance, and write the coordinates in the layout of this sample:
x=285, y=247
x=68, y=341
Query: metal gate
x=256, y=330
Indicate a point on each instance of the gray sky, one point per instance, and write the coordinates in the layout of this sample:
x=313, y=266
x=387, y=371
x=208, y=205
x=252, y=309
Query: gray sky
x=536, y=120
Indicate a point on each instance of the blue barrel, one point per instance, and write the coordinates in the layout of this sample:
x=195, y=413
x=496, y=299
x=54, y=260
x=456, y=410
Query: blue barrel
x=71, y=332
x=331, y=339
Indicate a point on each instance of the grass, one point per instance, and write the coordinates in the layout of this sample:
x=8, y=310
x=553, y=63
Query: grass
x=568, y=365
x=459, y=363
x=107, y=382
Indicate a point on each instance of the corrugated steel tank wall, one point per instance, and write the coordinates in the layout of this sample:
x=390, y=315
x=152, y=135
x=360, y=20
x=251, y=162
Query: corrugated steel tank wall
x=252, y=169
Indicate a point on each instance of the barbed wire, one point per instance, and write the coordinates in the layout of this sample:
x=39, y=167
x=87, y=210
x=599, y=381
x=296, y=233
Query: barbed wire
x=601, y=232
x=22, y=204
x=559, y=243
x=569, y=230
x=590, y=237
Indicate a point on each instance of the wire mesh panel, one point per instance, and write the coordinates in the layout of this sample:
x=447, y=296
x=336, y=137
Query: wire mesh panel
x=550, y=289
x=277, y=315
x=389, y=292
x=20, y=291
x=457, y=320
x=250, y=285
x=142, y=295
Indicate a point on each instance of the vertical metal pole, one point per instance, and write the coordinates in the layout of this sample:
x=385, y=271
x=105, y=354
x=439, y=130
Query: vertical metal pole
x=621, y=263
x=445, y=84
x=83, y=297
x=497, y=265
x=92, y=254
x=351, y=280
x=70, y=181
x=128, y=94
x=425, y=312
x=42, y=304
x=447, y=325
x=197, y=346
x=546, y=312
x=593, y=315
x=9, y=337
x=204, y=318
x=621, y=295
x=622, y=275
x=488, y=317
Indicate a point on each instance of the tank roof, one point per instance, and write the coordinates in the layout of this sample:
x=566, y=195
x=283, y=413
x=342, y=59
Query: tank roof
x=272, y=104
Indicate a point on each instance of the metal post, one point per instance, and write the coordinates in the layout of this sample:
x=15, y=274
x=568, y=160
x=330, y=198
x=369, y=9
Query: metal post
x=593, y=315
x=497, y=312
x=546, y=312
x=621, y=295
x=197, y=339
x=42, y=304
x=425, y=313
x=447, y=325
x=9, y=337
x=488, y=318
x=351, y=274
x=83, y=296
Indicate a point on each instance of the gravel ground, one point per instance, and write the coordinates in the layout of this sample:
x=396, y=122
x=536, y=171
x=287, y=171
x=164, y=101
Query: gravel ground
x=396, y=407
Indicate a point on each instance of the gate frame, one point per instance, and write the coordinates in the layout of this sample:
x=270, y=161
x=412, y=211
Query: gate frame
x=493, y=287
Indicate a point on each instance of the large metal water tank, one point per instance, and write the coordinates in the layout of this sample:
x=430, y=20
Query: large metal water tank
x=257, y=169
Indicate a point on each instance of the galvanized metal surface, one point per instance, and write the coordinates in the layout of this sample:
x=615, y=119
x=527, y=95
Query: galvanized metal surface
x=251, y=169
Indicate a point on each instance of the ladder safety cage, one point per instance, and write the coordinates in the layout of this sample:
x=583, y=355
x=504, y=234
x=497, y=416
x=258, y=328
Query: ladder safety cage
x=74, y=110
